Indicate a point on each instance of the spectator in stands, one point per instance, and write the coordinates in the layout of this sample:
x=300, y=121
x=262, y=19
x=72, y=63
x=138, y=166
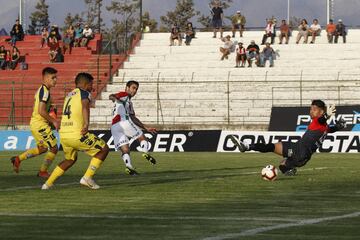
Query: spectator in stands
x=2, y=57
x=7, y=59
x=53, y=44
x=314, y=30
x=189, y=33
x=175, y=34
x=54, y=31
x=59, y=58
x=240, y=55
x=284, y=32
x=269, y=32
x=267, y=54
x=227, y=49
x=303, y=31
x=87, y=35
x=69, y=39
x=340, y=31
x=253, y=52
x=330, y=31
x=217, y=19
x=16, y=33
x=78, y=35
x=238, y=23
x=15, y=57
x=44, y=36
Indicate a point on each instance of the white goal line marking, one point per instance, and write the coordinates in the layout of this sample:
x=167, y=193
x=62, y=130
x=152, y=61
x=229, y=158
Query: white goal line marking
x=252, y=232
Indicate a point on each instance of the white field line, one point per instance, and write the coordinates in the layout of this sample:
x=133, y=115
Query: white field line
x=101, y=216
x=252, y=232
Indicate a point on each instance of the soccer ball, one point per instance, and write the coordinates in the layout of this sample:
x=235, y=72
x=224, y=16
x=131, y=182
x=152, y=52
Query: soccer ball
x=269, y=173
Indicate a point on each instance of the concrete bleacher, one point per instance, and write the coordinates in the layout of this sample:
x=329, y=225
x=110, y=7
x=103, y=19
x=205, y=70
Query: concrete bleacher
x=189, y=86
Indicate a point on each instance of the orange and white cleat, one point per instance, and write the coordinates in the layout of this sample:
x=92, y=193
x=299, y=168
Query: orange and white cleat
x=43, y=174
x=16, y=163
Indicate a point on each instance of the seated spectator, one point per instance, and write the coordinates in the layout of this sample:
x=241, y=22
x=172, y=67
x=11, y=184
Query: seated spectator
x=238, y=23
x=44, y=36
x=8, y=59
x=175, y=34
x=59, y=58
x=189, y=33
x=87, y=35
x=226, y=50
x=16, y=33
x=2, y=57
x=284, y=32
x=340, y=31
x=14, y=59
x=253, y=51
x=54, y=31
x=240, y=55
x=314, y=30
x=303, y=31
x=53, y=48
x=78, y=35
x=267, y=54
x=330, y=31
x=269, y=32
x=68, y=39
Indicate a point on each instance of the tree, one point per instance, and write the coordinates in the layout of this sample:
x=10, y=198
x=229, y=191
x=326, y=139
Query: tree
x=39, y=18
x=93, y=14
x=72, y=20
x=205, y=20
x=148, y=22
x=183, y=12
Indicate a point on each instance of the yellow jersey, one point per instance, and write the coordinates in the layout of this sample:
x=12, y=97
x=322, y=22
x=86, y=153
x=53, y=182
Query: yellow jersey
x=72, y=117
x=42, y=95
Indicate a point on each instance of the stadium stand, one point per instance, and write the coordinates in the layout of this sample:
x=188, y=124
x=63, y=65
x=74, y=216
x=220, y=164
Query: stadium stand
x=188, y=86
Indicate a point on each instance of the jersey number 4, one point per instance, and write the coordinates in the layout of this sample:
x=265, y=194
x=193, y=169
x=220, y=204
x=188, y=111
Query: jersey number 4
x=67, y=109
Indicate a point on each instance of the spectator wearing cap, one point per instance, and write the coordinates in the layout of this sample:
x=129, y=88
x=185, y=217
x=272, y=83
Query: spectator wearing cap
x=226, y=50
x=238, y=23
x=340, y=31
x=87, y=35
x=330, y=31
x=269, y=31
x=240, y=55
x=217, y=19
x=314, y=30
x=284, y=32
x=16, y=33
x=253, y=51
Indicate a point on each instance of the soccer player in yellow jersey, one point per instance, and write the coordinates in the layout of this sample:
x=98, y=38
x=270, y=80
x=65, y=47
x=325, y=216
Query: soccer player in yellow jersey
x=40, y=125
x=74, y=135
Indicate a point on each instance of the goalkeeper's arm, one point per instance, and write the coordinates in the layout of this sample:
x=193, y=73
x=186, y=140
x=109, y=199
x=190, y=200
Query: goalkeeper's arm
x=339, y=125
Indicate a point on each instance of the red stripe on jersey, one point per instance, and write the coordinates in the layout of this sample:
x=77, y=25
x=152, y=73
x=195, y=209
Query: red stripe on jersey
x=121, y=94
x=316, y=126
x=116, y=119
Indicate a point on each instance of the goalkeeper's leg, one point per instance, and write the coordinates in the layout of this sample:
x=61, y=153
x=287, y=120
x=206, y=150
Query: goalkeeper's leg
x=259, y=147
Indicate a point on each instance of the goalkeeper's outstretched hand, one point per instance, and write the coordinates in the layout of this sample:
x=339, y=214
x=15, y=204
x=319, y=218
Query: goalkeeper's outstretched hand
x=340, y=124
x=330, y=111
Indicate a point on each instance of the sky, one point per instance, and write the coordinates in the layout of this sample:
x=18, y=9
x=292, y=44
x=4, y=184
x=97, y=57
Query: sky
x=256, y=11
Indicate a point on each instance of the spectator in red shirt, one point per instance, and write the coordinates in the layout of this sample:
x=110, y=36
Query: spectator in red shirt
x=284, y=32
x=330, y=30
x=53, y=47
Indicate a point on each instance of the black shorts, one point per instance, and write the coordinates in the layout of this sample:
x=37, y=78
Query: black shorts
x=295, y=154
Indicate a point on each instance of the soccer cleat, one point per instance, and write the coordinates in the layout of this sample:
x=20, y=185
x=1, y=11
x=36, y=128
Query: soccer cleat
x=16, y=163
x=43, y=174
x=241, y=145
x=89, y=182
x=45, y=187
x=131, y=171
x=149, y=158
x=290, y=172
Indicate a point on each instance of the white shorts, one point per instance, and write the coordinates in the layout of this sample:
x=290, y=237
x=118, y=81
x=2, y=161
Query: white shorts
x=124, y=130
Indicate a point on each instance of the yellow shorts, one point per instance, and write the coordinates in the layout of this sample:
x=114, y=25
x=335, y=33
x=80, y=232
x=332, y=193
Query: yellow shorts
x=43, y=135
x=89, y=143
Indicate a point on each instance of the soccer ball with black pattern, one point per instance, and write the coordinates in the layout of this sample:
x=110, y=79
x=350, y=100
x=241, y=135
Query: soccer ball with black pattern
x=269, y=173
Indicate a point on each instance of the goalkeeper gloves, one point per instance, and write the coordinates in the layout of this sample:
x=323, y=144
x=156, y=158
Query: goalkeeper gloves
x=330, y=111
x=340, y=124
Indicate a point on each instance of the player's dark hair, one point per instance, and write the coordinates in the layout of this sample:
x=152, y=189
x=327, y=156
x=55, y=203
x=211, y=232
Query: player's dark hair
x=83, y=76
x=131, y=82
x=319, y=103
x=49, y=70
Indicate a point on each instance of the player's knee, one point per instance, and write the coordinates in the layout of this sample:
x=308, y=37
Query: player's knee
x=42, y=149
x=54, y=149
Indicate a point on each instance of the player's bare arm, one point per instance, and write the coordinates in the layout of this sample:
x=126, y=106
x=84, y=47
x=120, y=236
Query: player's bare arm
x=86, y=115
x=113, y=98
x=45, y=114
x=141, y=125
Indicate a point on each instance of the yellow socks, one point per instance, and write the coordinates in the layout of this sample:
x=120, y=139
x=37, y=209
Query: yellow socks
x=49, y=158
x=94, y=165
x=54, y=175
x=29, y=153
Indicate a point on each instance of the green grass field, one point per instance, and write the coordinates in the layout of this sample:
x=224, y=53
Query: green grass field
x=185, y=196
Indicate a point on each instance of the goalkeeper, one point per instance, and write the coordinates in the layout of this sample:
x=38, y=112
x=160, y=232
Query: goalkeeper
x=299, y=153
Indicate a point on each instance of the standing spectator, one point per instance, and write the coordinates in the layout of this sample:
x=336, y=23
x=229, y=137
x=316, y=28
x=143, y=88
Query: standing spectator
x=240, y=55
x=284, y=32
x=314, y=30
x=303, y=31
x=59, y=58
x=2, y=57
x=68, y=39
x=189, y=33
x=267, y=54
x=87, y=35
x=269, y=32
x=175, y=34
x=53, y=48
x=17, y=33
x=226, y=50
x=217, y=19
x=238, y=23
x=78, y=35
x=15, y=57
x=54, y=31
x=44, y=36
x=340, y=31
x=253, y=51
x=330, y=31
